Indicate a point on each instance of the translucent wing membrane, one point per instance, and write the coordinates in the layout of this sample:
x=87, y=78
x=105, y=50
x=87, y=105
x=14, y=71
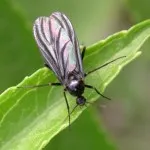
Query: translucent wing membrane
x=58, y=44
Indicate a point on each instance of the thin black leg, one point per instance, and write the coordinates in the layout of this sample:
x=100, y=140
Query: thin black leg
x=68, y=108
x=83, y=52
x=42, y=85
x=102, y=66
x=91, y=87
x=47, y=66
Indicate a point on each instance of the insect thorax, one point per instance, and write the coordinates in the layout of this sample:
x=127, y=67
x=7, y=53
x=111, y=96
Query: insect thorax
x=75, y=86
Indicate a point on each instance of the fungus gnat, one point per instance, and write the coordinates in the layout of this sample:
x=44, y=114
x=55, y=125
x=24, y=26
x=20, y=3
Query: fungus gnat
x=59, y=47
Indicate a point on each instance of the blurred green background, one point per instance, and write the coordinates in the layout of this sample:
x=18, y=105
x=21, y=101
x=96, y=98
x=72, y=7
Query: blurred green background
x=125, y=119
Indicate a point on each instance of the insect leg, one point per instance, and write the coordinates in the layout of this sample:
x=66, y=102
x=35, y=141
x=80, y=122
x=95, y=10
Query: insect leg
x=102, y=66
x=83, y=52
x=46, y=65
x=94, y=88
x=42, y=85
x=68, y=108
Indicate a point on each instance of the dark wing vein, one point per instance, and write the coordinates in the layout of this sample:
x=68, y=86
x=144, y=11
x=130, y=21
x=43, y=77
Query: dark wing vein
x=58, y=45
x=72, y=35
x=67, y=26
x=45, y=47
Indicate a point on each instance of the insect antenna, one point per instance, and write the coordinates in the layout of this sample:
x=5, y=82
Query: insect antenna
x=74, y=109
x=103, y=65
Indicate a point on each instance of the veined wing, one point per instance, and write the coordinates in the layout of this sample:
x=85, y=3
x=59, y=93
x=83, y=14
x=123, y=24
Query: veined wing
x=58, y=45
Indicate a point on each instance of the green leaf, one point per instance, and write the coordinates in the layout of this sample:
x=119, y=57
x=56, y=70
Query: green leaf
x=88, y=126
x=30, y=118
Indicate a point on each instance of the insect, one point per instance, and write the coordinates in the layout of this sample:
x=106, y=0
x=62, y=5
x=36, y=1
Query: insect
x=59, y=47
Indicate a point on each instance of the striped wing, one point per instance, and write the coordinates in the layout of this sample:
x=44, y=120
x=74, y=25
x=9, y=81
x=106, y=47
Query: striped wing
x=58, y=45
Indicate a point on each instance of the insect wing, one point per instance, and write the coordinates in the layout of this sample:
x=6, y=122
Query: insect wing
x=58, y=45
